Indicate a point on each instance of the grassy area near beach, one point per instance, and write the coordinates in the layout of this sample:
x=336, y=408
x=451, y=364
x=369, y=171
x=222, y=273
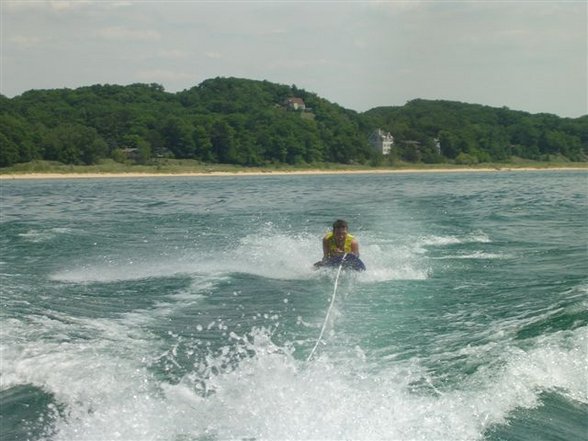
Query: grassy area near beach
x=166, y=167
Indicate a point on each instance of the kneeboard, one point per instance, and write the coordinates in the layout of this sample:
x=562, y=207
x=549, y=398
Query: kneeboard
x=349, y=261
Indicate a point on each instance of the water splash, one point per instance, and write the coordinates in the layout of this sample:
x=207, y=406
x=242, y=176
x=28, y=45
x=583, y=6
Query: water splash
x=253, y=388
x=266, y=253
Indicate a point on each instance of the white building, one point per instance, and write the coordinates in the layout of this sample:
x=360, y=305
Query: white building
x=382, y=141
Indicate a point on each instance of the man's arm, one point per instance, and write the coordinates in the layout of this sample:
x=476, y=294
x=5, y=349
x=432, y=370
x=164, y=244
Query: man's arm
x=355, y=247
x=325, y=248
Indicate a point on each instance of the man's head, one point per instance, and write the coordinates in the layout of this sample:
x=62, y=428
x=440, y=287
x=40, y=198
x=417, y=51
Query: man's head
x=340, y=228
x=340, y=223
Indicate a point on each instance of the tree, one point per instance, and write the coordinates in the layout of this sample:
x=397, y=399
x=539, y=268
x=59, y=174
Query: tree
x=223, y=143
x=177, y=137
x=74, y=144
x=202, y=144
x=9, y=154
x=19, y=140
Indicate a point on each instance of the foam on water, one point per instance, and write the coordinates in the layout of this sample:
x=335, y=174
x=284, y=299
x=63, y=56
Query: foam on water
x=269, y=394
x=266, y=254
x=475, y=237
x=44, y=235
x=476, y=255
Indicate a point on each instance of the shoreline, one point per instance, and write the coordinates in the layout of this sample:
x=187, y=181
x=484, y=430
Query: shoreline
x=116, y=175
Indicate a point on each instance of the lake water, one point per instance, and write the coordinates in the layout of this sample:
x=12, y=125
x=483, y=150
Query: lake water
x=186, y=308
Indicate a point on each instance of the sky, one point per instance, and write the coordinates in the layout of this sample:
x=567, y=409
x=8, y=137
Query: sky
x=526, y=55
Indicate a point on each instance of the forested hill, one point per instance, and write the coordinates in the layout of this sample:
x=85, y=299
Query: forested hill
x=476, y=133
x=239, y=121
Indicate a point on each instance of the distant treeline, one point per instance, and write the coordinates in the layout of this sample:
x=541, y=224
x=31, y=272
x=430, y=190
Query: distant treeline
x=247, y=122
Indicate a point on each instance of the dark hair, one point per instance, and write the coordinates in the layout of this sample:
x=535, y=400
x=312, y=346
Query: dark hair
x=340, y=223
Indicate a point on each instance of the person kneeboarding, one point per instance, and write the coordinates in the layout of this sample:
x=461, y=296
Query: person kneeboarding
x=340, y=247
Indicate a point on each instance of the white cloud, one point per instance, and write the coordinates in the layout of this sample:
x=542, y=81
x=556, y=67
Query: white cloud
x=272, y=32
x=25, y=40
x=127, y=34
x=213, y=55
x=173, y=54
x=297, y=63
x=60, y=5
x=67, y=5
x=162, y=75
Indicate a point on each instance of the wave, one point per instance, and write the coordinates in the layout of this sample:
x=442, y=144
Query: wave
x=476, y=255
x=174, y=386
x=43, y=235
x=125, y=269
x=570, y=313
x=432, y=240
x=265, y=254
x=255, y=389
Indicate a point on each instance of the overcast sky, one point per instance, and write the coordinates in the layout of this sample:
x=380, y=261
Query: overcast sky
x=526, y=55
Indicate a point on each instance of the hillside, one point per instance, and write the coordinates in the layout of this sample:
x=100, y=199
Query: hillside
x=476, y=133
x=247, y=122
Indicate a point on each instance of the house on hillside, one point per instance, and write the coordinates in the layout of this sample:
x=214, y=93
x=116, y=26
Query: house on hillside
x=381, y=141
x=295, y=103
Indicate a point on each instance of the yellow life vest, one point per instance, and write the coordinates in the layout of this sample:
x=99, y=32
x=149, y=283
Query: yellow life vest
x=330, y=237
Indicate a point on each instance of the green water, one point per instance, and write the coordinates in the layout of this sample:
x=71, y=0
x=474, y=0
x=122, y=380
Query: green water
x=186, y=308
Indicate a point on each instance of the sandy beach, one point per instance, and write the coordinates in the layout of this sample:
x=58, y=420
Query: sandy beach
x=14, y=176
